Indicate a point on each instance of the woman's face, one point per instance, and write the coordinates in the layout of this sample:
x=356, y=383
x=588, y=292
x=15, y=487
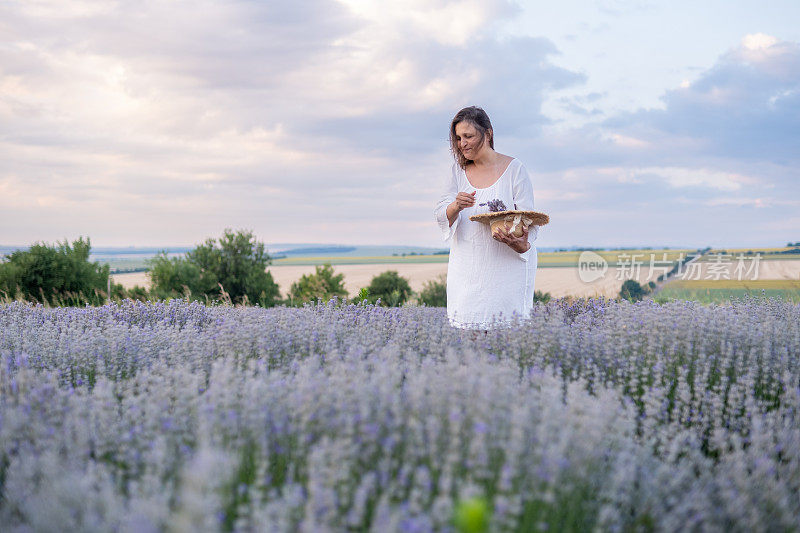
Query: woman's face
x=468, y=139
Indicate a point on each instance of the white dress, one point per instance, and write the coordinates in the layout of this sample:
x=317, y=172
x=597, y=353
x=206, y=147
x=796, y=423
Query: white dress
x=488, y=283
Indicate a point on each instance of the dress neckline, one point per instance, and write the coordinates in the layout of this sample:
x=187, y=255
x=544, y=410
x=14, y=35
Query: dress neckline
x=464, y=170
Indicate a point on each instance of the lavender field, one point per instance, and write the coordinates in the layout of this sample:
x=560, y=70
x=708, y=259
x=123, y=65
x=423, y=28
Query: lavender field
x=590, y=415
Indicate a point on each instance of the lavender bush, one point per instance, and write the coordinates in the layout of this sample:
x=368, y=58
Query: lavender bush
x=588, y=415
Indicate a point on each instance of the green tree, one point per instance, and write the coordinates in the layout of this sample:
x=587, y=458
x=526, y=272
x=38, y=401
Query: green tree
x=392, y=289
x=632, y=291
x=233, y=268
x=134, y=293
x=539, y=296
x=178, y=278
x=322, y=285
x=362, y=297
x=434, y=293
x=56, y=275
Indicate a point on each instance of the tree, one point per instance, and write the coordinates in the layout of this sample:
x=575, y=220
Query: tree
x=56, y=275
x=539, y=296
x=632, y=291
x=177, y=278
x=392, y=289
x=233, y=268
x=134, y=293
x=434, y=293
x=362, y=297
x=322, y=285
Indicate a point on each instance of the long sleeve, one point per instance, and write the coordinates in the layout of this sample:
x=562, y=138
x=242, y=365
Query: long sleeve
x=448, y=197
x=522, y=190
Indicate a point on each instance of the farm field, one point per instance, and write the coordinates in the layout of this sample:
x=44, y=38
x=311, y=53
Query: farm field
x=591, y=415
x=126, y=265
x=763, y=256
x=558, y=281
x=615, y=257
x=355, y=276
x=360, y=275
x=565, y=281
x=709, y=291
x=768, y=269
x=557, y=273
x=546, y=259
x=367, y=260
x=774, y=249
x=778, y=253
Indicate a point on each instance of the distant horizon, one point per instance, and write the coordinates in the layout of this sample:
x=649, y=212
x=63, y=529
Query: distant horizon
x=279, y=247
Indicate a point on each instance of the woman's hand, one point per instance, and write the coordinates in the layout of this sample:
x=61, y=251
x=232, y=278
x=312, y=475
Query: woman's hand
x=463, y=200
x=518, y=244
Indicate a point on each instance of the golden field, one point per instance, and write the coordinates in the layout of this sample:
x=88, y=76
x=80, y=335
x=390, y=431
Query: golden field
x=765, y=269
x=557, y=272
x=558, y=281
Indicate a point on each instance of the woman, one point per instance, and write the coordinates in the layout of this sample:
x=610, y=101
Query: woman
x=490, y=278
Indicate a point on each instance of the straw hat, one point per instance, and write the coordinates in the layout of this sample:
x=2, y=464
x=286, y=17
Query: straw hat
x=513, y=220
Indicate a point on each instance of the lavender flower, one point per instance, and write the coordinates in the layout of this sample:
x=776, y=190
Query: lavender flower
x=495, y=205
x=152, y=416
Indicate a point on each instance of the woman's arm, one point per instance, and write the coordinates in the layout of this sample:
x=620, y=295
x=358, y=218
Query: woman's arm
x=522, y=191
x=462, y=201
x=450, y=204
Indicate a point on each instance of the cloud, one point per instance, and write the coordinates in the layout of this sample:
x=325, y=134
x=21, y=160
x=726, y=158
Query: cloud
x=506, y=77
x=717, y=165
x=749, y=201
x=619, y=7
x=746, y=106
x=132, y=114
x=692, y=177
x=722, y=150
x=323, y=121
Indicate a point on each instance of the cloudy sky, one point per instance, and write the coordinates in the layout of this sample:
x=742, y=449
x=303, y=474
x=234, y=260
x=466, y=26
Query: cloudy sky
x=153, y=122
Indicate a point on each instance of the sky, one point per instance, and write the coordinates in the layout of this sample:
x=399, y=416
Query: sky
x=153, y=123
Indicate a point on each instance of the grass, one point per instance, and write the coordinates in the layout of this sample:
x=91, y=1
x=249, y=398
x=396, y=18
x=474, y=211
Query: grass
x=546, y=259
x=348, y=260
x=713, y=291
x=745, y=250
x=734, y=256
x=765, y=253
x=613, y=257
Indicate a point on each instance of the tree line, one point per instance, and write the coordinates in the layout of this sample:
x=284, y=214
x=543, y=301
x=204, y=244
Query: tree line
x=231, y=269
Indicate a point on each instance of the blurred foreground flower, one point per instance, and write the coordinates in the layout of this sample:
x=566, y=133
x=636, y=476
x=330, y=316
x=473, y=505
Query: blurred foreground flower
x=472, y=516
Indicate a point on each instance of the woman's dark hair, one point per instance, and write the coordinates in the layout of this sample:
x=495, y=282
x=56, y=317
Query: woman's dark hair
x=478, y=118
